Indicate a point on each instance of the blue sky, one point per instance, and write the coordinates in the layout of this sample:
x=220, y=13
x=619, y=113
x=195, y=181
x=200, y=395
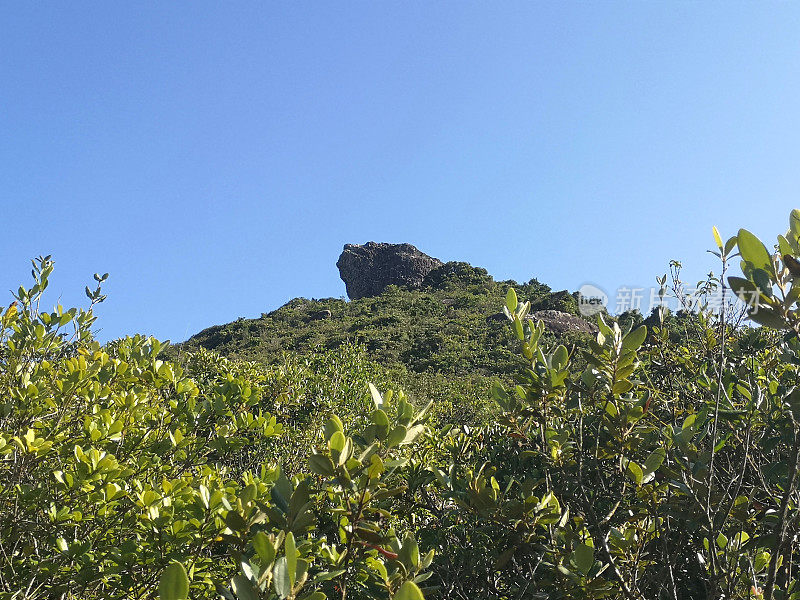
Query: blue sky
x=215, y=157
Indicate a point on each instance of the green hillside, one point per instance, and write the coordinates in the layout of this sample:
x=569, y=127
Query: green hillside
x=451, y=325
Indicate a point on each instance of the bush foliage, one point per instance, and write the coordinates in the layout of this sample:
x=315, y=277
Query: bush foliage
x=656, y=461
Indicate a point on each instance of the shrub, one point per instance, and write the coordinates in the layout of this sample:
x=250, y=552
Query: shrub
x=120, y=475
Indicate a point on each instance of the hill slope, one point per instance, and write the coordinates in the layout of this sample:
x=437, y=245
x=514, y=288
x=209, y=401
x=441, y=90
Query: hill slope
x=450, y=325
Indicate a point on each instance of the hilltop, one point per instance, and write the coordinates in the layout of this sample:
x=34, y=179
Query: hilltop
x=408, y=310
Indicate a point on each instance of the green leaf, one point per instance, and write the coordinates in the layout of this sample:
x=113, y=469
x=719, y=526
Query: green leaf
x=235, y=521
x=792, y=296
x=281, y=492
x=622, y=387
x=328, y=575
x=511, y=300
x=291, y=558
x=634, y=339
x=744, y=289
x=654, y=460
x=652, y=463
x=379, y=417
x=280, y=575
x=264, y=548
x=761, y=562
x=205, y=494
x=784, y=246
x=396, y=436
x=376, y=396
x=346, y=452
x=794, y=222
x=730, y=244
x=717, y=238
x=583, y=557
x=413, y=433
x=767, y=318
x=243, y=588
x=754, y=251
x=321, y=464
x=337, y=441
x=635, y=472
x=762, y=280
x=381, y=420
x=518, y=330
x=409, y=552
x=333, y=425
x=559, y=358
x=409, y=591
x=174, y=584
x=376, y=468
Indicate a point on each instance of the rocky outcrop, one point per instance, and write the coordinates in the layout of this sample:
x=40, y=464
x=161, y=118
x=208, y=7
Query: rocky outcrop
x=367, y=270
x=561, y=322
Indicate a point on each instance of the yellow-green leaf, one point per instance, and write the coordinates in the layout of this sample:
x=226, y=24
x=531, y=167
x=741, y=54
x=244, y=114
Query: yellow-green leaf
x=409, y=591
x=717, y=238
x=511, y=300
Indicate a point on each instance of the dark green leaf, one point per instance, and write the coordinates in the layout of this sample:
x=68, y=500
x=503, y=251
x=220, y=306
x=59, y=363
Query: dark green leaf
x=583, y=557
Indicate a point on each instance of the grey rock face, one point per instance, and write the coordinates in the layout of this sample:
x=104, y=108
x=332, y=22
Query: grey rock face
x=561, y=322
x=367, y=270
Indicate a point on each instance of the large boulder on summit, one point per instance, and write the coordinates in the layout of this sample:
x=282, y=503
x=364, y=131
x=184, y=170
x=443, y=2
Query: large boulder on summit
x=367, y=270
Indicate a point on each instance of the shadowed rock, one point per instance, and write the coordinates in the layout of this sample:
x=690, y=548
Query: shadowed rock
x=367, y=270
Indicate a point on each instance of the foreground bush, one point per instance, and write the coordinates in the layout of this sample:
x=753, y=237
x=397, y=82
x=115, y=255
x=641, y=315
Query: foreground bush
x=654, y=462
x=120, y=473
x=662, y=470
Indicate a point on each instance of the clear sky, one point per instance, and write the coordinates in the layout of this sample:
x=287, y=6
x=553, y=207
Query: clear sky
x=215, y=157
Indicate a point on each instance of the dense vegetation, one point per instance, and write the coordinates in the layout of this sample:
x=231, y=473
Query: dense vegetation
x=649, y=463
x=445, y=327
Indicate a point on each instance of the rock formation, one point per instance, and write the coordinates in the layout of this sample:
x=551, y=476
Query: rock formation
x=367, y=270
